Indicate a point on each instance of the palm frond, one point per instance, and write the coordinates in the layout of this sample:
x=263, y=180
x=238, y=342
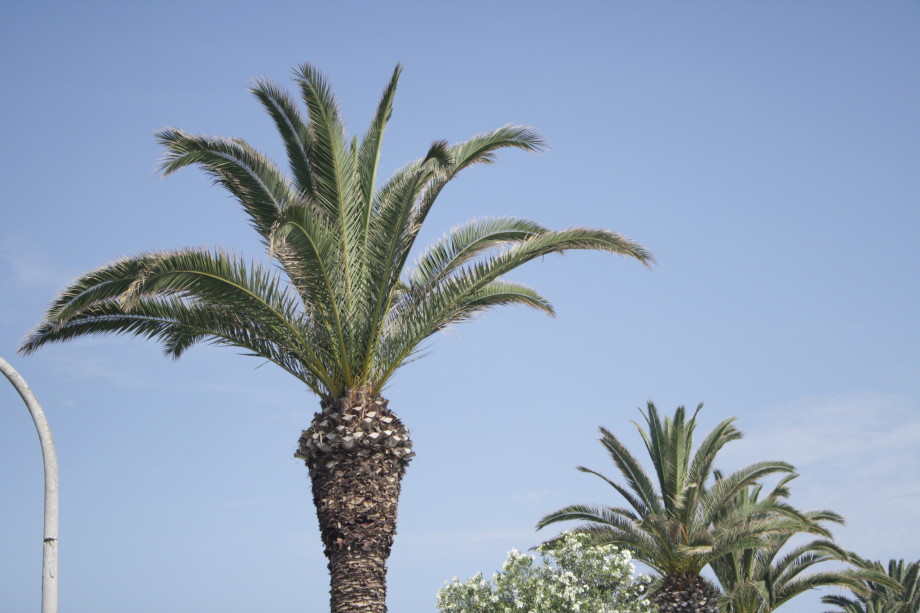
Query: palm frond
x=847, y=605
x=726, y=489
x=501, y=293
x=632, y=470
x=180, y=298
x=640, y=507
x=309, y=249
x=481, y=149
x=335, y=178
x=252, y=178
x=892, y=590
x=797, y=560
x=333, y=166
x=704, y=458
x=425, y=313
x=369, y=153
x=293, y=130
x=390, y=237
x=609, y=526
x=465, y=243
x=668, y=443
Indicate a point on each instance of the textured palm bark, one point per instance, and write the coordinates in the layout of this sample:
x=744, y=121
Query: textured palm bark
x=356, y=451
x=687, y=594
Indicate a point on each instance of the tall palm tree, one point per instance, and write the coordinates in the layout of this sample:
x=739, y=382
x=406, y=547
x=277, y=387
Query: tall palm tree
x=344, y=310
x=686, y=523
x=760, y=580
x=900, y=595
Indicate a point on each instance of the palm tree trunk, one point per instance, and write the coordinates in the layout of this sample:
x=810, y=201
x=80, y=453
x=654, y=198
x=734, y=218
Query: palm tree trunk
x=356, y=450
x=687, y=594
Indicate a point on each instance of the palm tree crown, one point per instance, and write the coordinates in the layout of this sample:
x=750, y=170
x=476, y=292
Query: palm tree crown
x=900, y=593
x=686, y=523
x=350, y=311
x=763, y=578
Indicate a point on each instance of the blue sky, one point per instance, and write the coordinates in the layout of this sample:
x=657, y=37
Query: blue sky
x=767, y=153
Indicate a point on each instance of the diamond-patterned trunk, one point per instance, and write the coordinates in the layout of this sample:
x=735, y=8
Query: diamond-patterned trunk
x=356, y=450
x=687, y=594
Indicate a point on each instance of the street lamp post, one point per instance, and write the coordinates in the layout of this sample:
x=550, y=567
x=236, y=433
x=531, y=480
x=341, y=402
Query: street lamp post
x=49, y=553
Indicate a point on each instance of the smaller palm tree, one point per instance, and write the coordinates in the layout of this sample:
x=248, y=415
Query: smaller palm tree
x=760, y=580
x=900, y=594
x=686, y=523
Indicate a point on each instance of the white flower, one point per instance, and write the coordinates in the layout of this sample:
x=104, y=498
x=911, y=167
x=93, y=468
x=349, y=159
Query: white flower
x=567, y=578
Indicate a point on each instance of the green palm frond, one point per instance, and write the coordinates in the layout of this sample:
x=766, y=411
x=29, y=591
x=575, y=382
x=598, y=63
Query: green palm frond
x=479, y=150
x=704, y=458
x=335, y=179
x=333, y=166
x=369, y=154
x=725, y=490
x=181, y=298
x=847, y=605
x=247, y=174
x=611, y=516
x=391, y=236
x=425, y=311
x=854, y=580
x=104, y=284
x=309, y=251
x=500, y=293
x=469, y=279
x=669, y=443
x=635, y=475
x=466, y=243
x=798, y=559
x=293, y=131
x=611, y=526
x=306, y=247
x=640, y=507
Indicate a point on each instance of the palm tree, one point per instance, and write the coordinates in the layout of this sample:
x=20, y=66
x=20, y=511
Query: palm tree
x=344, y=311
x=900, y=595
x=686, y=524
x=759, y=580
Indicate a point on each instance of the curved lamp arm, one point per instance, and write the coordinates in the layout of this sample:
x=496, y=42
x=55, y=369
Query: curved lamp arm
x=49, y=557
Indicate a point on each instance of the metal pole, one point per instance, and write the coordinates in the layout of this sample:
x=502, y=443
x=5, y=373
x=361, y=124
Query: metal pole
x=49, y=554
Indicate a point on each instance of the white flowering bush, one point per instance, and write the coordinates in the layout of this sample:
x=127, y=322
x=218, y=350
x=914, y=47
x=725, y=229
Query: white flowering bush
x=570, y=576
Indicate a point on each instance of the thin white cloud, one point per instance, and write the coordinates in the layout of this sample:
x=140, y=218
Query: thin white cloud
x=29, y=266
x=866, y=431
x=857, y=454
x=88, y=367
x=531, y=495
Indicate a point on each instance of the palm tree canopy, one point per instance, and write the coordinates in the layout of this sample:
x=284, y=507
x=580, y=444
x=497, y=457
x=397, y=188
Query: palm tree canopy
x=685, y=523
x=897, y=590
x=763, y=578
x=346, y=309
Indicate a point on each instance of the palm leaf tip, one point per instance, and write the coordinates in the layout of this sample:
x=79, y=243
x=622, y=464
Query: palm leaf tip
x=30, y=342
x=525, y=138
x=613, y=242
x=439, y=152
